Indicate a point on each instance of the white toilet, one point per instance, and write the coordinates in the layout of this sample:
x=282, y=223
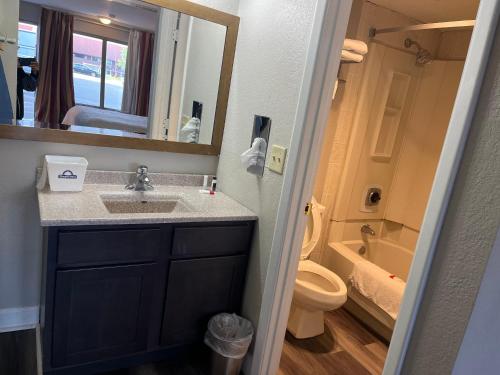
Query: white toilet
x=317, y=289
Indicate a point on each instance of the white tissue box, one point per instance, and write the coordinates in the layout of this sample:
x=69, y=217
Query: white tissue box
x=66, y=173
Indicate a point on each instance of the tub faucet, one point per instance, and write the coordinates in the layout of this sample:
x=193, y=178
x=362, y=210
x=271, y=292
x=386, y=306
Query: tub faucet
x=142, y=181
x=367, y=229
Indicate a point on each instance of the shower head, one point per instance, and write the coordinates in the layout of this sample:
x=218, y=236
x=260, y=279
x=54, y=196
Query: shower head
x=423, y=55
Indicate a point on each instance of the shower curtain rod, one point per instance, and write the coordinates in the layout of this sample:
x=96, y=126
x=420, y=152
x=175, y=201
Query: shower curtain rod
x=423, y=26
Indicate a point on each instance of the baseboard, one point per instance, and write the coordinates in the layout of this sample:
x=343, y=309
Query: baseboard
x=19, y=318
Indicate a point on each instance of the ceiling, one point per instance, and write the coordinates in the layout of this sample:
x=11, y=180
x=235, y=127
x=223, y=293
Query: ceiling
x=131, y=13
x=433, y=10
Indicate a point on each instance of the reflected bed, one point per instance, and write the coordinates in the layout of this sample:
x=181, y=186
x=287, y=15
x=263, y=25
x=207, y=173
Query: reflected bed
x=105, y=118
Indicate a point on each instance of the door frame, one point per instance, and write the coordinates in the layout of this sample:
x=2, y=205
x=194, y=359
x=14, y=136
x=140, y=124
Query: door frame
x=322, y=61
x=161, y=75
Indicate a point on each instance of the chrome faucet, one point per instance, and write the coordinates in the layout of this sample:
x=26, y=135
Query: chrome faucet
x=367, y=229
x=142, y=181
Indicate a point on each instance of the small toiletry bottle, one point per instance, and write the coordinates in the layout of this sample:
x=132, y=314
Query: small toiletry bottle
x=214, y=184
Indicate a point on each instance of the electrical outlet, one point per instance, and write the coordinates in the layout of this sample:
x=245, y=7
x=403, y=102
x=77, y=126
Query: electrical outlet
x=277, y=159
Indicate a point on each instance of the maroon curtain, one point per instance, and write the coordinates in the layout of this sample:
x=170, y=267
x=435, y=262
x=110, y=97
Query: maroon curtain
x=138, y=73
x=145, y=66
x=55, y=94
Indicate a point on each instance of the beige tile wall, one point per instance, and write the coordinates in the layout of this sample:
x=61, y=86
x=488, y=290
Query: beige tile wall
x=424, y=136
x=363, y=16
x=447, y=45
x=453, y=45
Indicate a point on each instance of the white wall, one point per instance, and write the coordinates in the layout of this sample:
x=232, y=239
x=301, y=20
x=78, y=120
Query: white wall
x=479, y=350
x=228, y=6
x=465, y=243
x=203, y=67
x=270, y=58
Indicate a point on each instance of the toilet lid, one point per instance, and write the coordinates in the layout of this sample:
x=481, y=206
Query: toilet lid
x=313, y=230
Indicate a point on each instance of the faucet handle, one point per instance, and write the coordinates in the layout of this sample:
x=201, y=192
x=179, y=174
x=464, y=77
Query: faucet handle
x=366, y=228
x=142, y=169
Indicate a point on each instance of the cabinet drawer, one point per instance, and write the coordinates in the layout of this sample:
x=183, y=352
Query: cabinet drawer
x=100, y=247
x=211, y=240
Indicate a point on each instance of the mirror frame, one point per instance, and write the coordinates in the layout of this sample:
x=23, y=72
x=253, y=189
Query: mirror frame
x=231, y=22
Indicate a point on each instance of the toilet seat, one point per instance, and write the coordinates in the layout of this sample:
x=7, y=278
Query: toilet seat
x=315, y=221
x=316, y=287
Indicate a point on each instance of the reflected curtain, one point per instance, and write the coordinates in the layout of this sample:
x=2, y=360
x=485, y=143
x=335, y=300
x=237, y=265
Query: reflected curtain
x=55, y=94
x=138, y=73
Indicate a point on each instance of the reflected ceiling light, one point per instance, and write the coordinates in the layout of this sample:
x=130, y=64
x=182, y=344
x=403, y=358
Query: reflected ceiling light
x=104, y=20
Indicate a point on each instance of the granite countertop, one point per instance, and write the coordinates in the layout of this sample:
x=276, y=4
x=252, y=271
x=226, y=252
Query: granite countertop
x=87, y=208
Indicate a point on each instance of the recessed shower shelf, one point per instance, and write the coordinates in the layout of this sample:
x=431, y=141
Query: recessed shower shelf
x=390, y=116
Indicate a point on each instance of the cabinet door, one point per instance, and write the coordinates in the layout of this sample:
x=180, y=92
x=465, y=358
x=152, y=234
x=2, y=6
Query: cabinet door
x=101, y=313
x=198, y=289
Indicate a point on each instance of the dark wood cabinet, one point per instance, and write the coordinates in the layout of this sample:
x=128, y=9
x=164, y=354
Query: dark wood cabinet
x=200, y=288
x=129, y=294
x=79, y=248
x=194, y=241
x=102, y=312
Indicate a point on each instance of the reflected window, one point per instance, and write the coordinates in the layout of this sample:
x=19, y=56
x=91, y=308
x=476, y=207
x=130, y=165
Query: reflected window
x=116, y=60
x=87, y=57
x=98, y=71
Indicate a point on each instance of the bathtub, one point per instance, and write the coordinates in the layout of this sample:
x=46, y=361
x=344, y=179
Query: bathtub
x=388, y=255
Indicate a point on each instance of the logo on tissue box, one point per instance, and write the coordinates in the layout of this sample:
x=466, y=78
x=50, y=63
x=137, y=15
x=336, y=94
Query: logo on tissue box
x=68, y=175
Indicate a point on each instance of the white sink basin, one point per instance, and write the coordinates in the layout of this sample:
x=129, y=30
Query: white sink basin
x=142, y=203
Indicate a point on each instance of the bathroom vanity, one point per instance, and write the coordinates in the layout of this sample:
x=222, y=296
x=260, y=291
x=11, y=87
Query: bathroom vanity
x=125, y=288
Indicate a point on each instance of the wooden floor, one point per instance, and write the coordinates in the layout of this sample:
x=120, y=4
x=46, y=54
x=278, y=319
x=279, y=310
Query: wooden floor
x=18, y=357
x=18, y=353
x=197, y=365
x=346, y=348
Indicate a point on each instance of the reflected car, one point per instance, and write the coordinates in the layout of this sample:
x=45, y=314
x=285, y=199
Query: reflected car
x=85, y=69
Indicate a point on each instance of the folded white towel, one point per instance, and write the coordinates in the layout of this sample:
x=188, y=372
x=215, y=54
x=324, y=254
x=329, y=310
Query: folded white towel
x=255, y=156
x=379, y=286
x=351, y=56
x=356, y=46
x=190, y=133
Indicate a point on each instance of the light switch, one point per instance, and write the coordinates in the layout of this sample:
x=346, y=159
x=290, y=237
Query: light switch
x=277, y=159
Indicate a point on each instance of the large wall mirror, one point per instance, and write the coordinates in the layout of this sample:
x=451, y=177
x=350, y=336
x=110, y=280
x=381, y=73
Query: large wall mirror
x=151, y=74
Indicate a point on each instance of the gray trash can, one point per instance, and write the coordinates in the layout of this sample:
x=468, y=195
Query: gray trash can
x=229, y=336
